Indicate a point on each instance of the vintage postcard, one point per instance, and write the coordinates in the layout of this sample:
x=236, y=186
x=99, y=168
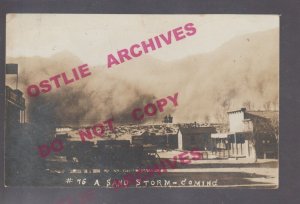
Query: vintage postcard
x=142, y=101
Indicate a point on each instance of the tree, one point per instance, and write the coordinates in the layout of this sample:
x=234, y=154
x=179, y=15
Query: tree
x=248, y=105
x=274, y=122
x=206, y=119
x=222, y=117
x=267, y=106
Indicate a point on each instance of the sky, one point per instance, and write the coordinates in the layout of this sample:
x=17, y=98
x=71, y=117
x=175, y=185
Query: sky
x=91, y=37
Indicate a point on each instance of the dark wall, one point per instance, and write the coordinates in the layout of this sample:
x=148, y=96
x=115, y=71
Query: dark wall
x=197, y=141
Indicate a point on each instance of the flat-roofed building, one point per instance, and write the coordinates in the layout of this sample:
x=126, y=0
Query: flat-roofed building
x=195, y=137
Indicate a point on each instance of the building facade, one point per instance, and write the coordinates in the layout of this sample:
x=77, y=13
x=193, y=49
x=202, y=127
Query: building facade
x=15, y=107
x=194, y=137
x=252, y=134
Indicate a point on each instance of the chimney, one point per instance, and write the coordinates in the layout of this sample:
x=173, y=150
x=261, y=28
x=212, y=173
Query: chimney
x=243, y=109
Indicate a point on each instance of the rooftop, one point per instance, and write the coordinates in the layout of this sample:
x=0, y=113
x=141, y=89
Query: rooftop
x=197, y=130
x=264, y=114
x=260, y=113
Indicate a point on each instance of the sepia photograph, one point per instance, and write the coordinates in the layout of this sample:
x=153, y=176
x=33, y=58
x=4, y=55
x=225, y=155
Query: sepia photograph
x=142, y=101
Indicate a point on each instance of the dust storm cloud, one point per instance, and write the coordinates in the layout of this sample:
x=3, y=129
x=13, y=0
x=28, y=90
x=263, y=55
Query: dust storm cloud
x=243, y=71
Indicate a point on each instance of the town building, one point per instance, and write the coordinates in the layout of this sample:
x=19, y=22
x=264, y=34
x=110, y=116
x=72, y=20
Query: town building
x=14, y=107
x=195, y=137
x=162, y=136
x=252, y=134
